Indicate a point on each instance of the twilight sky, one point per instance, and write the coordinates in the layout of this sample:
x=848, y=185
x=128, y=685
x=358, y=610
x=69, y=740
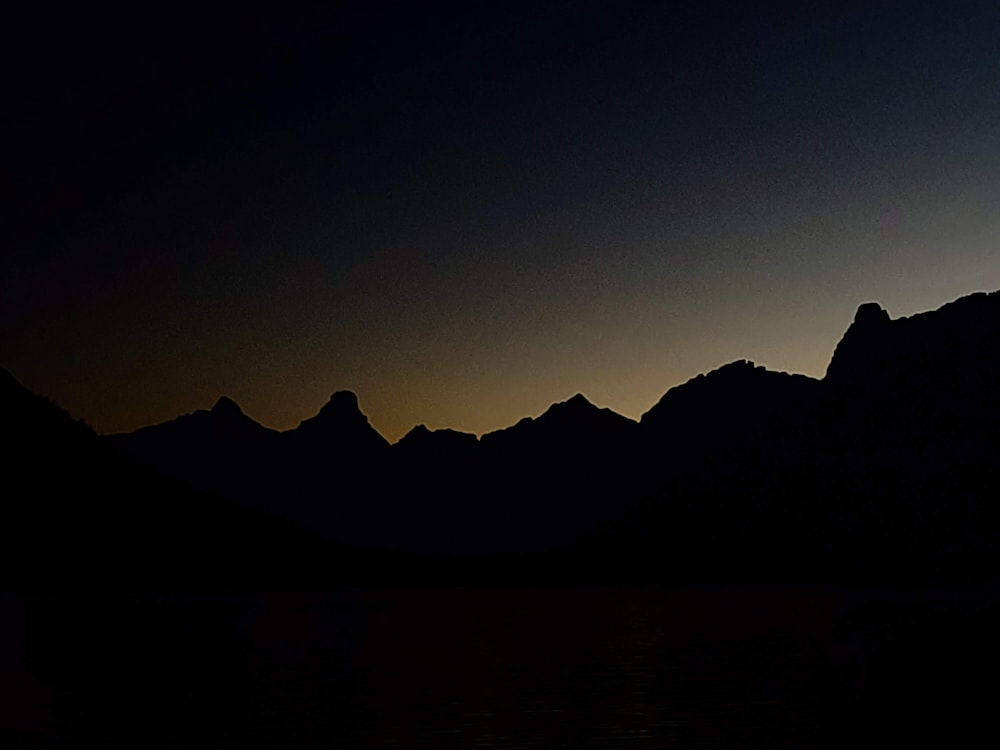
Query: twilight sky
x=464, y=216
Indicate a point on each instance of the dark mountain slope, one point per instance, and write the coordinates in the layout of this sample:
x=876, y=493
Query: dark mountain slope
x=914, y=435
x=421, y=444
x=567, y=426
x=339, y=430
x=316, y=475
x=731, y=425
x=735, y=401
x=333, y=474
x=565, y=475
x=434, y=490
x=75, y=513
x=884, y=470
x=221, y=450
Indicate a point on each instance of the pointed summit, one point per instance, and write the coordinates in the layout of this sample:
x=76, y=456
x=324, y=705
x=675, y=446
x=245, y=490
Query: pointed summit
x=571, y=423
x=419, y=432
x=573, y=407
x=226, y=407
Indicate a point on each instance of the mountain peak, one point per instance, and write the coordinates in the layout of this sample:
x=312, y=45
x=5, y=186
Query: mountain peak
x=871, y=313
x=571, y=408
x=343, y=400
x=342, y=406
x=225, y=406
x=577, y=402
x=341, y=418
x=862, y=348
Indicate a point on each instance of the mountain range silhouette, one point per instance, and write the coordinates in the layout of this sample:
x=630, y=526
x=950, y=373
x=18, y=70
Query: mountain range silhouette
x=884, y=470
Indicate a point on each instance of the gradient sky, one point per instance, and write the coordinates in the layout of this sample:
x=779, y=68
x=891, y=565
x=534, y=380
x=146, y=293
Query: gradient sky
x=464, y=217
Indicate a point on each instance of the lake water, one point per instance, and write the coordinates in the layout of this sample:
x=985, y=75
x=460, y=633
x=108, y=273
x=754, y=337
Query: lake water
x=702, y=667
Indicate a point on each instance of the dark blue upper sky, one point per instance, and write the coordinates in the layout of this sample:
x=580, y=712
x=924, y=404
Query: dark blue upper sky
x=465, y=216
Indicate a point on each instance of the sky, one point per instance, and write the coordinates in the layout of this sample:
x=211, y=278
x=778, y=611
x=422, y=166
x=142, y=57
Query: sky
x=467, y=215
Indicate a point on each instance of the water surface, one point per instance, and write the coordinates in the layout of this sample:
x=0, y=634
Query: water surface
x=574, y=668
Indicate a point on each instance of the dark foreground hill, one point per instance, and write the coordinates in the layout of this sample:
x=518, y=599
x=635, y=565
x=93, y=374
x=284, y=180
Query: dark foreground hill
x=884, y=470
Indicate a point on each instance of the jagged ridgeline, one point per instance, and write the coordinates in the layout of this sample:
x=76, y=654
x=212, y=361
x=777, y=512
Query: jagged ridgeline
x=884, y=470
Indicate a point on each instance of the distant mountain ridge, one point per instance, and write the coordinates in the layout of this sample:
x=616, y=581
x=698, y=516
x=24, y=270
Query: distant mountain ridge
x=884, y=468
